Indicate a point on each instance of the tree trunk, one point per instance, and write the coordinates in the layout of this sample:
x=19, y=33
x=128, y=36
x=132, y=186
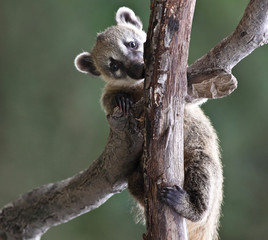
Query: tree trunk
x=166, y=58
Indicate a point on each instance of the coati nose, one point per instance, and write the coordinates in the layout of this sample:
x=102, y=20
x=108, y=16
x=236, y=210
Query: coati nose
x=136, y=71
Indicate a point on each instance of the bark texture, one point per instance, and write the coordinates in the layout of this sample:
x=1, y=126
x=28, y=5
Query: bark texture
x=166, y=59
x=35, y=212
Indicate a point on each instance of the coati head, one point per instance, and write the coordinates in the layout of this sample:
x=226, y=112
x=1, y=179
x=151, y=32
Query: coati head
x=118, y=53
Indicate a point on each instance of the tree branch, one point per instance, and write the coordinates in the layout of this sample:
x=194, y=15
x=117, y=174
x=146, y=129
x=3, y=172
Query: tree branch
x=32, y=214
x=210, y=76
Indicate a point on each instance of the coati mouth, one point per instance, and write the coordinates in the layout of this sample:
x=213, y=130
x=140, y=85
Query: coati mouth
x=136, y=71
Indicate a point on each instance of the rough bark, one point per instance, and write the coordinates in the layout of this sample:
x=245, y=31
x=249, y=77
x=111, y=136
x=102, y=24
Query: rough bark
x=211, y=76
x=166, y=59
x=33, y=213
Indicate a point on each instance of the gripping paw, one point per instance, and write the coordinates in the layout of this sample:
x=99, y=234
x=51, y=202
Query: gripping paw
x=173, y=196
x=123, y=102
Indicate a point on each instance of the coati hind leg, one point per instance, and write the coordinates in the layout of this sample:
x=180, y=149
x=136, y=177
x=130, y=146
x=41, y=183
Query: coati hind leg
x=136, y=185
x=193, y=201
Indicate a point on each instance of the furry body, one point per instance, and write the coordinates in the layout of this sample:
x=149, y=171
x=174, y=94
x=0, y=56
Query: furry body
x=118, y=58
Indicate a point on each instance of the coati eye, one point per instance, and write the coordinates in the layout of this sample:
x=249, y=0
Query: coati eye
x=132, y=45
x=114, y=65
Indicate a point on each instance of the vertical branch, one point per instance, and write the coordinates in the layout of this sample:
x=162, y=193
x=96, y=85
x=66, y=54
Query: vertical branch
x=166, y=55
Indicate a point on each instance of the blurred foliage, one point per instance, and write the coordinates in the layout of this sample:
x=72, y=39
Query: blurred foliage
x=52, y=126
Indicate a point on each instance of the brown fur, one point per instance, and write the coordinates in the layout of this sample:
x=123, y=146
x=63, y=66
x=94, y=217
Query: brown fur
x=201, y=197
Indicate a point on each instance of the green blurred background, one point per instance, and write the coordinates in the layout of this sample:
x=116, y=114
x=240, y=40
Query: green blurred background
x=52, y=126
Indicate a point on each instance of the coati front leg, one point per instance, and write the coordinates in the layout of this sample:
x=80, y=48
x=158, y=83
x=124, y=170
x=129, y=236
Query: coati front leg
x=116, y=98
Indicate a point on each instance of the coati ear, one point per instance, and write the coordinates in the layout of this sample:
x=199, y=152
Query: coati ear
x=84, y=63
x=125, y=15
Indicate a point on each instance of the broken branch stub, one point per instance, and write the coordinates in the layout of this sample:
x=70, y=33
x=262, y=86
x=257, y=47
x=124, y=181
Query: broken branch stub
x=212, y=84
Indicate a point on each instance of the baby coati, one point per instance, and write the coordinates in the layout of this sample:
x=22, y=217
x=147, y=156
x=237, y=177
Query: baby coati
x=117, y=57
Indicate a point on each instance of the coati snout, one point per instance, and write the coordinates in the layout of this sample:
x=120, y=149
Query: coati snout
x=136, y=71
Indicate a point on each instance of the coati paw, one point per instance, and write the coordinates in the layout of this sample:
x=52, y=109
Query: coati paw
x=174, y=197
x=123, y=102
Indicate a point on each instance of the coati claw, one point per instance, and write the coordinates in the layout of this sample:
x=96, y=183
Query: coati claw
x=123, y=102
x=173, y=196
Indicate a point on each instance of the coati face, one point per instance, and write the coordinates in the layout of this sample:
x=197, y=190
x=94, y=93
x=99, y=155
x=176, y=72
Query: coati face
x=118, y=53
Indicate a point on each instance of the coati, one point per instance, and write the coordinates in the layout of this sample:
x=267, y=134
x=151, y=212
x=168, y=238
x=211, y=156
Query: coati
x=117, y=57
